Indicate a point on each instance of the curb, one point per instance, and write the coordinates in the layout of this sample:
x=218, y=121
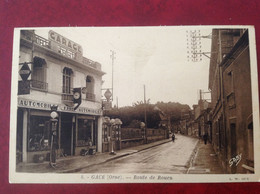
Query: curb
x=110, y=159
x=189, y=164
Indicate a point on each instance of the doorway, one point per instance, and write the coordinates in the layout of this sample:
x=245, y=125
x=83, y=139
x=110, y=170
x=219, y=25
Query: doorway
x=67, y=134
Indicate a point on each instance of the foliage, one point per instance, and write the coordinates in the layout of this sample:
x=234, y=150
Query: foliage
x=131, y=115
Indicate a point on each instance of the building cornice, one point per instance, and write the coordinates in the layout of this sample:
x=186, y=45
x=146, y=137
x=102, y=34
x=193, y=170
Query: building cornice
x=60, y=57
x=241, y=44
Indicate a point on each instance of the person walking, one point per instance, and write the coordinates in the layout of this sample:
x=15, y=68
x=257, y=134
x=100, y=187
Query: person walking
x=173, y=137
x=205, y=138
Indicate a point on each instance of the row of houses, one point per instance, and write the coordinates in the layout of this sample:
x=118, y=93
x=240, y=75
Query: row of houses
x=230, y=86
x=227, y=118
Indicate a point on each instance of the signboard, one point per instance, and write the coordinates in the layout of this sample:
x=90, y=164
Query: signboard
x=53, y=36
x=25, y=71
x=25, y=103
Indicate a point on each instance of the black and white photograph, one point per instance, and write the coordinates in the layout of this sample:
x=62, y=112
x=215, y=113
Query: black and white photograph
x=134, y=105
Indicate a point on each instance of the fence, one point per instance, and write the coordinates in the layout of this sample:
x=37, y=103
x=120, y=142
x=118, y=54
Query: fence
x=131, y=137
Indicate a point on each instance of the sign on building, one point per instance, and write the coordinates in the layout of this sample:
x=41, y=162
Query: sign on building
x=25, y=71
x=24, y=78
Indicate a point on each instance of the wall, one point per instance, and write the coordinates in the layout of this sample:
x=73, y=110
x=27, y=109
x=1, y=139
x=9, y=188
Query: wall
x=239, y=107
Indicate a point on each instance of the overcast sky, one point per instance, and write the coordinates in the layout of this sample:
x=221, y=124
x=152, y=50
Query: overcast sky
x=152, y=56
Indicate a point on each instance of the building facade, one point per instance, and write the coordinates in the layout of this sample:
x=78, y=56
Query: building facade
x=230, y=85
x=203, y=118
x=54, y=71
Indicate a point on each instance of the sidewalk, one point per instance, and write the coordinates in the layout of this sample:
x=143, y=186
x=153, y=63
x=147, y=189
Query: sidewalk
x=204, y=160
x=72, y=164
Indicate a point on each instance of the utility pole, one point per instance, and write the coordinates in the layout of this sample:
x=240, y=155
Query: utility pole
x=113, y=58
x=109, y=94
x=145, y=107
x=145, y=120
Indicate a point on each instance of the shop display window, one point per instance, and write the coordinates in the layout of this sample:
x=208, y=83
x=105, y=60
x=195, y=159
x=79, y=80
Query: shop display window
x=84, y=132
x=39, y=134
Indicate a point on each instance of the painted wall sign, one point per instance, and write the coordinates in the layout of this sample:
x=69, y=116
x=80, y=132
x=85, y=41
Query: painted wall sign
x=61, y=107
x=53, y=36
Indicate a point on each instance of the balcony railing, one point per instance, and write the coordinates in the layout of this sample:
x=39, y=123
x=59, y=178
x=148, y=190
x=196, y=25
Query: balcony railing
x=90, y=97
x=91, y=63
x=29, y=35
x=67, y=97
x=66, y=90
x=39, y=85
x=42, y=41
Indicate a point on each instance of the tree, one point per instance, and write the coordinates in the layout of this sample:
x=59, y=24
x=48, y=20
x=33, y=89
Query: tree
x=136, y=112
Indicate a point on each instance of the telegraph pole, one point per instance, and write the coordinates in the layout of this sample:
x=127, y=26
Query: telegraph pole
x=113, y=58
x=145, y=120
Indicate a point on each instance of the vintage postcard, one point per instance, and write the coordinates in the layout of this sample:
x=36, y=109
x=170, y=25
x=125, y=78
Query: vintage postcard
x=161, y=104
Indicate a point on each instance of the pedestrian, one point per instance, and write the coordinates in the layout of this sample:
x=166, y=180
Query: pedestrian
x=205, y=138
x=173, y=137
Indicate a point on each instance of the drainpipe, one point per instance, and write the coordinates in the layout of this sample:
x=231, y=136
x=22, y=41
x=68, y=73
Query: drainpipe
x=222, y=98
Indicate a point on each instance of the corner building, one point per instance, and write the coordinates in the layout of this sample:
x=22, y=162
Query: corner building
x=56, y=66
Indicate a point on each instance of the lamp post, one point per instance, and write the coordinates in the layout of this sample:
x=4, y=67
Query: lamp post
x=53, y=130
x=144, y=134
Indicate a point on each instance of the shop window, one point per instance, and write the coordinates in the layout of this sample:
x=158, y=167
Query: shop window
x=39, y=134
x=85, y=131
x=67, y=80
x=39, y=74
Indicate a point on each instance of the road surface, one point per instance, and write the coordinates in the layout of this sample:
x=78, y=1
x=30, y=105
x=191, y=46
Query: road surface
x=172, y=157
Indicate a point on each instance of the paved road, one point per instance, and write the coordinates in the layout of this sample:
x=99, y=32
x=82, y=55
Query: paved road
x=171, y=157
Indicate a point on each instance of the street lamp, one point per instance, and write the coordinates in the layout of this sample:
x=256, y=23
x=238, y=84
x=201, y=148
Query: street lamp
x=53, y=129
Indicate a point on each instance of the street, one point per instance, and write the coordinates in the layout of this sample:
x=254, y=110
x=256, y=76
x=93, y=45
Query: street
x=172, y=157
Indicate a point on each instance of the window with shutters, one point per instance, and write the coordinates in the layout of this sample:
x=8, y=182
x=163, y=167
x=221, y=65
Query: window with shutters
x=39, y=74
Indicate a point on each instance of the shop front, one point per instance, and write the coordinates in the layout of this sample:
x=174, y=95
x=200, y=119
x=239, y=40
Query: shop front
x=77, y=132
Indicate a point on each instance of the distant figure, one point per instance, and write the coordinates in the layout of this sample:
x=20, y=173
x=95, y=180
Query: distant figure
x=205, y=138
x=173, y=137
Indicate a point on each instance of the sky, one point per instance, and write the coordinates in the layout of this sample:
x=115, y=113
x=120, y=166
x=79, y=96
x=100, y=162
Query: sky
x=152, y=56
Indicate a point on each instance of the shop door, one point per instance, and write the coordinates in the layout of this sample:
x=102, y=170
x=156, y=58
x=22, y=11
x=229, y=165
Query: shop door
x=67, y=134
